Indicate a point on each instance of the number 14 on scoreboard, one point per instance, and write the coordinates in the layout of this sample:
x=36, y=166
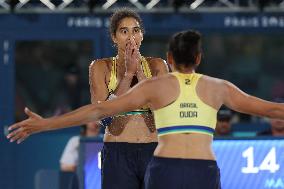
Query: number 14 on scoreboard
x=269, y=162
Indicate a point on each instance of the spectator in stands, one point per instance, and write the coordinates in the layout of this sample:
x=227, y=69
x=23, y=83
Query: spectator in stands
x=224, y=123
x=70, y=156
x=276, y=125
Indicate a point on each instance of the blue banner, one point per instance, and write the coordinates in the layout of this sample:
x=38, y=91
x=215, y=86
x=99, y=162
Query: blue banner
x=248, y=164
x=245, y=164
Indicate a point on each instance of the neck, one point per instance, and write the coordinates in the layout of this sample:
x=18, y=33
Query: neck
x=184, y=69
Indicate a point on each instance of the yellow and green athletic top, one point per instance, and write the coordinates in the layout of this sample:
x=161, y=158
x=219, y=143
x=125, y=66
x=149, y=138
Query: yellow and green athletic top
x=188, y=113
x=113, y=83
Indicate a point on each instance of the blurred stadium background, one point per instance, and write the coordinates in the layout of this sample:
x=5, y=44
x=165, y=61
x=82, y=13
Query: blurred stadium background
x=46, y=47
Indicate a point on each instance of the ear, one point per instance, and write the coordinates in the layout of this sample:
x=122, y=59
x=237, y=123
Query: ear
x=113, y=39
x=198, y=59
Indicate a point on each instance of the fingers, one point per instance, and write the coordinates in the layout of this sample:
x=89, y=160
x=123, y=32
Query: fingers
x=130, y=46
x=15, y=135
x=132, y=41
x=16, y=129
x=31, y=114
x=135, y=53
x=15, y=126
x=22, y=130
x=28, y=112
x=19, y=132
x=18, y=135
x=131, y=56
x=127, y=49
x=133, y=46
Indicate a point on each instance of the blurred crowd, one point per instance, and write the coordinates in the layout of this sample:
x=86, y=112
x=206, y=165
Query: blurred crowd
x=52, y=76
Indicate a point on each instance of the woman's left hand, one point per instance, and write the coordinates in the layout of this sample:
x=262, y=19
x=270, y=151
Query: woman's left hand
x=22, y=130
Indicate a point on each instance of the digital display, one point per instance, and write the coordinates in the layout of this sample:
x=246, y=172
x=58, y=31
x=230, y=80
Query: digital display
x=250, y=164
x=91, y=164
x=245, y=164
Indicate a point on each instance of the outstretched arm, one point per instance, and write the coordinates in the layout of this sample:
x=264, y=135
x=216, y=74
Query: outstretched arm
x=133, y=99
x=35, y=123
x=239, y=101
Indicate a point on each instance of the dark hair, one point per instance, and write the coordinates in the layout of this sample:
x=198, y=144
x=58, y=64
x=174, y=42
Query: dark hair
x=185, y=46
x=120, y=14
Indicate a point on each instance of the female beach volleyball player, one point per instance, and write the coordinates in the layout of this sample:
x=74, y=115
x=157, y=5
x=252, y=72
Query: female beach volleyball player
x=185, y=106
x=131, y=138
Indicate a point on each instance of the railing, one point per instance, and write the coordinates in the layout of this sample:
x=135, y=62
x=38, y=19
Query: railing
x=141, y=5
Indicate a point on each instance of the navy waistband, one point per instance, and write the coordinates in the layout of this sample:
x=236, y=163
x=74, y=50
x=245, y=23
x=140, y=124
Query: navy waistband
x=126, y=145
x=187, y=162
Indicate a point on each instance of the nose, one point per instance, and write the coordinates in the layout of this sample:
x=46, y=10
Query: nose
x=131, y=38
x=131, y=35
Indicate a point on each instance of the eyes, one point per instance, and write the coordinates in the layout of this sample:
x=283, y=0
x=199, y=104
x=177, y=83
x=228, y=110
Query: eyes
x=136, y=30
x=125, y=31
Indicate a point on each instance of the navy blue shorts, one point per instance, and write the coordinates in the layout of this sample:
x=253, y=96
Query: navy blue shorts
x=174, y=173
x=124, y=164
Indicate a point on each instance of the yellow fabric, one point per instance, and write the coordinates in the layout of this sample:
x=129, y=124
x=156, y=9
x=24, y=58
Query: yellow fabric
x=188, y=114
x=146, y=68
x=113, y=76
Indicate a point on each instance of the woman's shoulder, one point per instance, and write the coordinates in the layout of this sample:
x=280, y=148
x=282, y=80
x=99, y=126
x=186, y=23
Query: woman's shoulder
x=157, y=63
x=165, y=78
x=210, y=79
x=212, y=83
x=154, y=60
x=102, y=63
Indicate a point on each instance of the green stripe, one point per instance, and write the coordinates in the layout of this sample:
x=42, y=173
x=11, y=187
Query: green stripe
x=134, y=113
x=183, y=130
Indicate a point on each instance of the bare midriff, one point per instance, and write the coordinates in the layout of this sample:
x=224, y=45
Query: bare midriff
x=132, y=129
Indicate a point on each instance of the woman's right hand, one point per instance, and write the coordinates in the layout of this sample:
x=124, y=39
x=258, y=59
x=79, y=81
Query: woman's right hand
x=132, y=57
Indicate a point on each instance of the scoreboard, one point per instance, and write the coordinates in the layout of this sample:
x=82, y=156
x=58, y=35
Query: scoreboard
x=244, y=163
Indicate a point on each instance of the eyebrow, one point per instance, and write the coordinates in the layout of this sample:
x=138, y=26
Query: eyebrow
x=136, y=27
